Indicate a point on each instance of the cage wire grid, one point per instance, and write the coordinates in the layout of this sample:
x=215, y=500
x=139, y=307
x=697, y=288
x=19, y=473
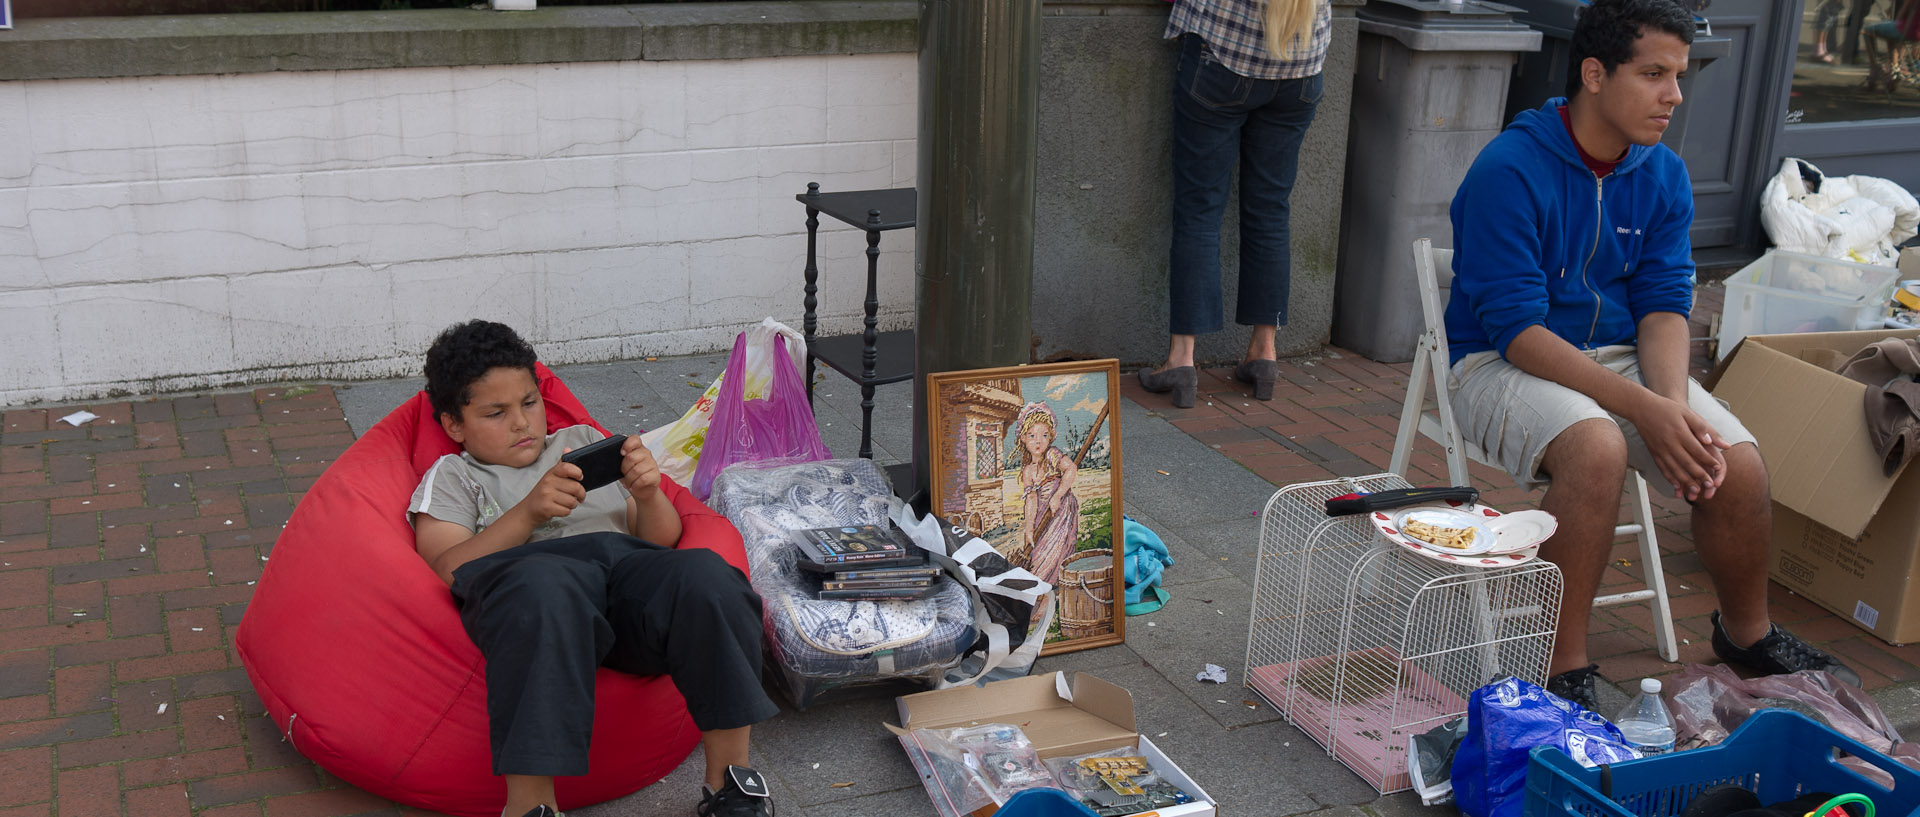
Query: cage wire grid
x=1360, y=644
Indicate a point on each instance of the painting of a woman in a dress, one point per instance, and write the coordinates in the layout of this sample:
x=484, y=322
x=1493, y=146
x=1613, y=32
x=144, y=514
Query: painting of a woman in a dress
x=1050, y=517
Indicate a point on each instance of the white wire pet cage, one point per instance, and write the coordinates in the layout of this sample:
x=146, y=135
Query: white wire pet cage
x=1360, y=644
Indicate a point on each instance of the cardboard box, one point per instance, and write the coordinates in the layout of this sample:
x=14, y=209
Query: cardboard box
x=1845, y=534
x=1059, y=718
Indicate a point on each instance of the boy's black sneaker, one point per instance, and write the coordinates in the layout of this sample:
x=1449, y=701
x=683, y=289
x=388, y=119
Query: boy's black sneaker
x=1779, y=652
x=744, y=795
x=542, y=811
x=1576, y=685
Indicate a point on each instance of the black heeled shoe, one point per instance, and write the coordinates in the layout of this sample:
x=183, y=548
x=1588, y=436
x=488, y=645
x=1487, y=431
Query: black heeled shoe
x=1261, y=373
x=1183, y=381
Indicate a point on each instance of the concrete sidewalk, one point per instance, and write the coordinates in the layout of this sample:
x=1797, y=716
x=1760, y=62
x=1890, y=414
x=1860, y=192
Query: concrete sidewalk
x=128, y=547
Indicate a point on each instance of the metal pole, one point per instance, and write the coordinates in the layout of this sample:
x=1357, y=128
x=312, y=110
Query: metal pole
x=973, y=237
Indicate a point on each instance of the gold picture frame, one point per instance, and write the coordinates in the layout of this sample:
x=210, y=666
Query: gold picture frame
x=1004, y=441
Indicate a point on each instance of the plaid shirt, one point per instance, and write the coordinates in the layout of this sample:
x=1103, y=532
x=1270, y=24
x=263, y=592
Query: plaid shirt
x=1236, y=32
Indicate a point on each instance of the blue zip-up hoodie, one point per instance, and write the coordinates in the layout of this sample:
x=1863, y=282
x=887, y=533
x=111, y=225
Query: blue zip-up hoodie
x=1539, y=240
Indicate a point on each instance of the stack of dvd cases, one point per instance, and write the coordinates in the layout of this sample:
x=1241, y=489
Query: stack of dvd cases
x=865, y=563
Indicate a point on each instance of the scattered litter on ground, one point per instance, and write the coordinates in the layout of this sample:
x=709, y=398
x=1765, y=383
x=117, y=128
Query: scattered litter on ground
x=221, y=717
x=816, y=765
x=1219, y=700
x=1161, y=735
x=162, y=710
x=839, y=785
x=1214, y=673
x=199, y=629
x=1161, y=473
x=79, y=418
x=1250, y=704
x=1152, y=624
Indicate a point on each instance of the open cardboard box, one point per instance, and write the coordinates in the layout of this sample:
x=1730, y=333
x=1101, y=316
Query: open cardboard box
x=1845, y=534
x=1059, y=718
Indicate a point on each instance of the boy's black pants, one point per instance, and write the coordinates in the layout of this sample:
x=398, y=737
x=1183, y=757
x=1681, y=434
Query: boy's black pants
x=547, y=614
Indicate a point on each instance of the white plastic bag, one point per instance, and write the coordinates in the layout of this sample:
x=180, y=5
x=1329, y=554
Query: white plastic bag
x=1857, y=218
x=676, y=445
x=1006, y=596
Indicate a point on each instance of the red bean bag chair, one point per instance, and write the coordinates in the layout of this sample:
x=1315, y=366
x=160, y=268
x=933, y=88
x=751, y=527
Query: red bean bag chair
x=358, y=654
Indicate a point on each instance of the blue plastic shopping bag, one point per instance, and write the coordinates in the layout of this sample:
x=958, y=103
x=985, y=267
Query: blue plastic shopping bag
x=1505, y=720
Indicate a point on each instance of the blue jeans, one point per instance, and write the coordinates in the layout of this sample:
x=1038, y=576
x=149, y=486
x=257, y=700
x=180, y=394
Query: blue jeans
x=1220, y=117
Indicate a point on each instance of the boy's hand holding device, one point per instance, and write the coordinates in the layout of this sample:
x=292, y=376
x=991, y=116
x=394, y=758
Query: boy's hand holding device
x=556, y=494
x=638, y=470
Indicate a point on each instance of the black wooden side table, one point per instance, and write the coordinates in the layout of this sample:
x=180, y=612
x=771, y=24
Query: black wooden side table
x=871, y=358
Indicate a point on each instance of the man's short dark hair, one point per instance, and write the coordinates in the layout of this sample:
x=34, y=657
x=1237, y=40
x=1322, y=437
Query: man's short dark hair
x=1607, y=30
x=463, y=354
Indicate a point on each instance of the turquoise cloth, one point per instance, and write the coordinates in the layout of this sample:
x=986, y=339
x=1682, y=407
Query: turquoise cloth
x=1146, y=559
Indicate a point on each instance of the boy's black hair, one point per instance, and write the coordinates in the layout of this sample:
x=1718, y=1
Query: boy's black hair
x=1608, y=29
x=464, y=353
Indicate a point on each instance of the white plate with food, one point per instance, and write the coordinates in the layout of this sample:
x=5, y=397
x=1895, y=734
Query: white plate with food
x=1480, y=515
x=1458, y=531
x=1521, y=530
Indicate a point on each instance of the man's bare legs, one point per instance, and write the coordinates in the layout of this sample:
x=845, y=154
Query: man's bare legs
x=723, y=748
x=1732, y=532
x=1588, y=463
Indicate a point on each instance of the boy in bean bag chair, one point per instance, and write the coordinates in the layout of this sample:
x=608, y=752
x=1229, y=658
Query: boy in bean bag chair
x=573, y=597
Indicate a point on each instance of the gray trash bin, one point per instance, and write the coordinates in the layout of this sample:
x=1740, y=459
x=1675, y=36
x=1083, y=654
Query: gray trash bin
x=1429, y=90
x=1542, y=75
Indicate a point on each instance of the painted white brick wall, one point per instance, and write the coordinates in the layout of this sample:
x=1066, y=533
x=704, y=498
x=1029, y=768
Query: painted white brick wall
x=180, y=232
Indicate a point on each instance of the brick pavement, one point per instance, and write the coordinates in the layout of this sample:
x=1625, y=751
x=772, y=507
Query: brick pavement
x=128, y=548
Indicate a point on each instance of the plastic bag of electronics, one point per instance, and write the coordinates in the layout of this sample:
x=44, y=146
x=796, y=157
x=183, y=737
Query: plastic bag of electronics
x=978, y=623
x=1116, y=781
x=815, y=645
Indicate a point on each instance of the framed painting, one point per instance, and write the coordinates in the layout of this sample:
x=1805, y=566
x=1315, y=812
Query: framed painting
x=1028, y=458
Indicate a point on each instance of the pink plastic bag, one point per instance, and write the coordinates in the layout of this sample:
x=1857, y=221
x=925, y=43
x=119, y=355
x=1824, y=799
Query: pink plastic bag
x=779, y=427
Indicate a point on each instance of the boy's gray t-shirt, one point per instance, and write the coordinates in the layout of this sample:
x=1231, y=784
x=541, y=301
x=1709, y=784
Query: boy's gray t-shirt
x=470, y=493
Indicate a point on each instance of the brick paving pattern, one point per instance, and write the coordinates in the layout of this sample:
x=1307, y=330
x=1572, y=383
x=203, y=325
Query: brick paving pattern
x=128, y=548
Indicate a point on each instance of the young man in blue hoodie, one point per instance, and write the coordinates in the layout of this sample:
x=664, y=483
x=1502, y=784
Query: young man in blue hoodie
x=1568, y=324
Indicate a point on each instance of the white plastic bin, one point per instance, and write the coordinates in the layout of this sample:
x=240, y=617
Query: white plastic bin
x=1786, y=293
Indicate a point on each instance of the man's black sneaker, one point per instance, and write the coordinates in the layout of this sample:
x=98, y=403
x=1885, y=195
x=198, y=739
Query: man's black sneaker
x=1576, y=685
x=744, y=795
x=1779, y=652
x=542, y=811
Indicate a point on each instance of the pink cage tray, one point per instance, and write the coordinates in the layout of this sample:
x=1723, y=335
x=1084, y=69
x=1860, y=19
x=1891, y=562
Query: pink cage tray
x=1365, y=737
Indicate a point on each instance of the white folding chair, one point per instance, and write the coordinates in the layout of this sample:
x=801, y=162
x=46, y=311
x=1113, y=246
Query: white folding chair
x=1434, y=270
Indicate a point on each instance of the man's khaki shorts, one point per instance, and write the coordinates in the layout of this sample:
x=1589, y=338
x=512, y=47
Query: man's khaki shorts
x=1513, y=415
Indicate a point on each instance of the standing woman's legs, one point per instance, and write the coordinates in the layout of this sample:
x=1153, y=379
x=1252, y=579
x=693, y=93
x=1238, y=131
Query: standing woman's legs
x=1208, y=109
x=1269, y=161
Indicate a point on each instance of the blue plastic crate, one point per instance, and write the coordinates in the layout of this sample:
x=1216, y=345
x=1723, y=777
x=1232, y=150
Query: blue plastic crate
x=1777, y=754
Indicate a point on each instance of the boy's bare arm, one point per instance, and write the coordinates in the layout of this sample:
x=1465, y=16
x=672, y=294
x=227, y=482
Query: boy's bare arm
x=650, y=515
x=448, y=545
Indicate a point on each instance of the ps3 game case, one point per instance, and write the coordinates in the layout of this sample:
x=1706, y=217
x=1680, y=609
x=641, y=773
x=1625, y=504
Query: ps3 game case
x=845, y=547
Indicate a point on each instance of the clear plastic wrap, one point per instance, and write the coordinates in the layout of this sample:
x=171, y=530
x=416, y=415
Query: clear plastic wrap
x=1116, y=781
x=817, y=644
x=1709, y=702
x=968, y=767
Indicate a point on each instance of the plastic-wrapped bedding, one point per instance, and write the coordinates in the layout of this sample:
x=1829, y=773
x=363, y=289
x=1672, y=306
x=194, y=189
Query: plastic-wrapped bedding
x=816, y=645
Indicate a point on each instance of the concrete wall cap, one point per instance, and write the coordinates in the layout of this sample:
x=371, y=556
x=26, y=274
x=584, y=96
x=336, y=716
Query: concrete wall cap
x=159, y=45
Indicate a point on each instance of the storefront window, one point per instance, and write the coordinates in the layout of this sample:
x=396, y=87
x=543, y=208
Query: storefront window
x=1857, y=60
